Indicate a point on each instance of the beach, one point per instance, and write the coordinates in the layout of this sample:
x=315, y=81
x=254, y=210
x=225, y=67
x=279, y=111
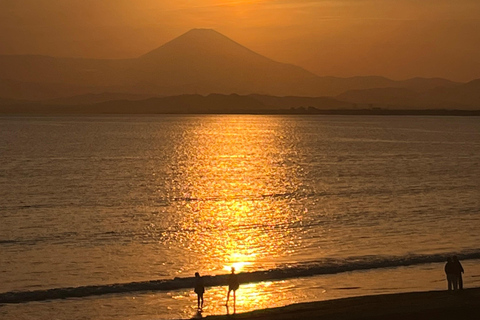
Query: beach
x=437, y=305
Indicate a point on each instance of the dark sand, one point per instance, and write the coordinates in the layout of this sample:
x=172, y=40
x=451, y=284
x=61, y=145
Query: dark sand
x=437, y=305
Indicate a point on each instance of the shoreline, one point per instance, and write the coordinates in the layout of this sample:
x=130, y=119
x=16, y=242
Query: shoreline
x=438, y=305
x=59, y=112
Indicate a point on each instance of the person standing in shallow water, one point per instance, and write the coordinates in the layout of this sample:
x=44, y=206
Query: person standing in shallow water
x=449, y=271
x=457, y=270
x=199, y=290
x=233, y=285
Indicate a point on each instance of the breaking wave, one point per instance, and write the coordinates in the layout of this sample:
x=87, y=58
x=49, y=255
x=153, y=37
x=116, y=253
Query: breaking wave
x=326, y=266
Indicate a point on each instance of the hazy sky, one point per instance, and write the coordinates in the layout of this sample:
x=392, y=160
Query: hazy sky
x=394, y=38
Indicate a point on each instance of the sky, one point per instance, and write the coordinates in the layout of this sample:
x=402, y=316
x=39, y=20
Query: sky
x=398, y=39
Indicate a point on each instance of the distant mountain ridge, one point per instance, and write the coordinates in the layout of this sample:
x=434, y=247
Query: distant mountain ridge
x=201, y=61
x=463, y=96
x=220, y=104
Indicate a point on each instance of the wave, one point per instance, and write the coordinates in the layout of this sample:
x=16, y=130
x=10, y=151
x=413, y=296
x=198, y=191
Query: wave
x=326, y=266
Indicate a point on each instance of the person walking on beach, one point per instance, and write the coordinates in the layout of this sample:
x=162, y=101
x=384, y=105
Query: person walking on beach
x=450, y=272
x=458, y=270
x=199, y=290
x=233, y=285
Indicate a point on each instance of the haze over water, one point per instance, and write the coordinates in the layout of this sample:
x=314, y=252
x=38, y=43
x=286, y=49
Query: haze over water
x=102, y=200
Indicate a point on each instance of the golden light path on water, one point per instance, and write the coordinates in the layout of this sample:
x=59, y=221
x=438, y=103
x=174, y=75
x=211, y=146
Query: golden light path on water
x=237, y=189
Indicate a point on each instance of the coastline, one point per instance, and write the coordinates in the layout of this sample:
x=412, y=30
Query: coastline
x=436, y=305
x=55, y=111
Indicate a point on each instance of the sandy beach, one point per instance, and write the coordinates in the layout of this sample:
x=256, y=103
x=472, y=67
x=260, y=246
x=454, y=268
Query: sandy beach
x=436, y=305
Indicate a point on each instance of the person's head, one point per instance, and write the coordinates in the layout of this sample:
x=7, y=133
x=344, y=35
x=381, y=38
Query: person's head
x=455, y=258
x=197, y=274
x=233, y=269
x=449, y=259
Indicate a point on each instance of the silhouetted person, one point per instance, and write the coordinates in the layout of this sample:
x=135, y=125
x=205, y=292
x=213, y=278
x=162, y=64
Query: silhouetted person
x=199, y=290
x=233, y=285
x=450, y=272
x=457, y=270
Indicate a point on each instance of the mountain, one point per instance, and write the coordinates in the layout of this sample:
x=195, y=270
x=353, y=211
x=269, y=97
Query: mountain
x=384, y=97
x=201, y=61
x=424, y=84
x=204, y=61
x=466, y=96
x=288, y=102
x=462, y=96
x=221, y=104
x=75, y=72
x=92, y=98
x=213, y=103
x=35, y=91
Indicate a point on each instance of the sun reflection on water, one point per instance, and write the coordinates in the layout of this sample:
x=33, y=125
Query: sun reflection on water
x=250, y=296
x=236, y=195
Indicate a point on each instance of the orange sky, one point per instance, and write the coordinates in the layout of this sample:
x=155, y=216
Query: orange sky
x=394, y=38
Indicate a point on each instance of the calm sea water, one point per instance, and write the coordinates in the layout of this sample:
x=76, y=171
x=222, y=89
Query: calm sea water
x=328, y=206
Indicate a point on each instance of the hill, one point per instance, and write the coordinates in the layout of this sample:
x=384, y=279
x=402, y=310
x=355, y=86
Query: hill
x=218, y=104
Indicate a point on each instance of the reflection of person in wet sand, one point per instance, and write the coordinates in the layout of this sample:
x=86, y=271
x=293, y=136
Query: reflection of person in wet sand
x=199, y=290
x=233, y=285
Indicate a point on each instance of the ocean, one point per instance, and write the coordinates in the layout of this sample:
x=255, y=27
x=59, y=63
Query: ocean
x=109, y=217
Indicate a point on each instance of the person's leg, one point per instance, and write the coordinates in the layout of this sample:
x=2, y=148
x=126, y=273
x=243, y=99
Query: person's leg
x=234, y=301
x=455, y=282
x=228, y=295
x=460, y=282
x=198, y=301
x=201, y=299
x=450, y=282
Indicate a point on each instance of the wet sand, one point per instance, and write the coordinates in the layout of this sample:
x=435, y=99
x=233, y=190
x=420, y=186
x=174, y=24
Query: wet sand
x=436, y=305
